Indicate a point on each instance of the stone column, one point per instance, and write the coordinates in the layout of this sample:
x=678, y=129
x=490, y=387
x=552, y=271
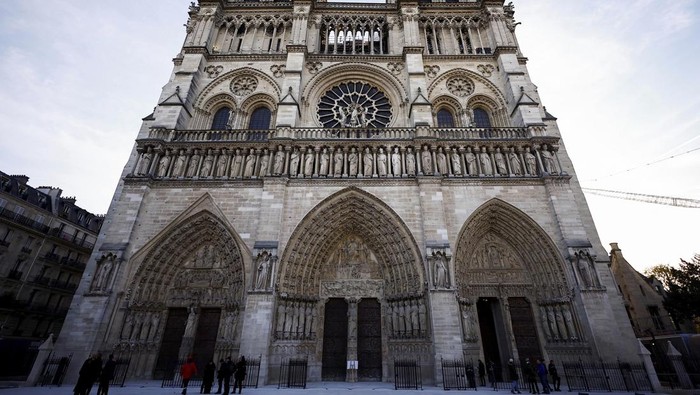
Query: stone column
x=351, y=375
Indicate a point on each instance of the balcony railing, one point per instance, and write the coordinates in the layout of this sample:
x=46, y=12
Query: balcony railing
x=210, y=135
x=56, y=232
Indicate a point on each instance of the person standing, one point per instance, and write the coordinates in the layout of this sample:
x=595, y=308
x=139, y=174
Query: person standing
x=542, y=373
x=228, y=371
x=239, y=375
x=89, y=373
x=188, y=370
x=482, y=373
x=208, y=377
x=513, y=375
x=531, y=377
x=107, y=375
x=556, y=380
x=492, y=374
x=220, y=374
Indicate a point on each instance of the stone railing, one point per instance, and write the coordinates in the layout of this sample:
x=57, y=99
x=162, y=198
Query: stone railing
x=209, y=135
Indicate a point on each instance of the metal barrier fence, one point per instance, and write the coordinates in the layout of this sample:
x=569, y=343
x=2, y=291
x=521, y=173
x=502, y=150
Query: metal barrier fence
x=120, y=369
x=252, y=374
x=457, y=374
x=55, y=370
x=173, y=379
x=407, y=374
x=606, y=376
x=293, y=373
x=500, y=380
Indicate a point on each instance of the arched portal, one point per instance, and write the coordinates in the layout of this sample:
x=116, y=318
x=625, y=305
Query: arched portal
x=350, y=254
x=185, y=297
x=512, y=286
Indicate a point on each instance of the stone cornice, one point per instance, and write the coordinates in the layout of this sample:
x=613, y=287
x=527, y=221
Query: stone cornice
x=500, y=50
x=356, y=57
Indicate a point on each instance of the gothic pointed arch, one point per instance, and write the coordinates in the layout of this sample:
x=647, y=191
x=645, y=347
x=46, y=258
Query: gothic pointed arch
x=241, y=83
x=198, y=258
x=463, y=79
x=499, y=248
x=349, y=217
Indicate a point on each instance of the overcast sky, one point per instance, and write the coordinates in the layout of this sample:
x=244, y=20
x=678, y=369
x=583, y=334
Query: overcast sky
x=621, y=76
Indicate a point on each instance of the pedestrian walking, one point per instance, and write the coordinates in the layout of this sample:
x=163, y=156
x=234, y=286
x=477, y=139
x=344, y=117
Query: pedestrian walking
x=187, y=371
x=228, y=371
x=556, y=380
x=220, y=375
x=106, y=375
x=492, y=374
x=208, y=378
x=542, y=373
x=482, y=373
x=513, y=375
x=88, y=374
x=239, y=375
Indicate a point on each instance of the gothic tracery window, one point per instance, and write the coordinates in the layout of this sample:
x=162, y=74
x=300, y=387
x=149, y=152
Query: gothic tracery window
x=354, y=105
x=221, y=118
x=260, y=119
x=481, y=118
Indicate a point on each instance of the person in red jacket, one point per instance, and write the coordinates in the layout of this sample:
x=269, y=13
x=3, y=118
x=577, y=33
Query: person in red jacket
x=187, y=370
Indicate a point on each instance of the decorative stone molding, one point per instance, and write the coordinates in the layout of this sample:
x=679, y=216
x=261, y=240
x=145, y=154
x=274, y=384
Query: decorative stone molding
x=460, y=86
x=213, y=71
x=395, y=67
x=439, y=264
x=352, y=288
x=431, y=71
x=314, y=67
x=485, y=69
x=278, y=70
x=106, y=266
x=468, y=319
x=244, y=85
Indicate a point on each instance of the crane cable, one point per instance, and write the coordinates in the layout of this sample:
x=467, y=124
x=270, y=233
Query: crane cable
x=640, y=197
x=643, y=165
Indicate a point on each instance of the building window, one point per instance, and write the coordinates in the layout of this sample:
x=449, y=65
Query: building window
x=260, y=119
x=641, y=288
x=221, y=119
x=445, y=119
x=481, y=118
x=656, y=317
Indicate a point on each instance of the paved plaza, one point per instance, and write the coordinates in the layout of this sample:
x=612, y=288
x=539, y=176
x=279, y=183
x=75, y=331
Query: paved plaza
x=318, y=388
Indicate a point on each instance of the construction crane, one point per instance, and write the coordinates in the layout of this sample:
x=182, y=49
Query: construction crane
x=654, y=199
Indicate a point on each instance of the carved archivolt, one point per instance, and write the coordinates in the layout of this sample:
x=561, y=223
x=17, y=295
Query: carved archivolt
x=222, y=84
x=355, y=227
x=480, y=85
x=196, y=261
x=501, y=247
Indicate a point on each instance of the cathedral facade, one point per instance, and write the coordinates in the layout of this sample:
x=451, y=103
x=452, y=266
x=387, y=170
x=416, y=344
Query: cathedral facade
x=348, y=182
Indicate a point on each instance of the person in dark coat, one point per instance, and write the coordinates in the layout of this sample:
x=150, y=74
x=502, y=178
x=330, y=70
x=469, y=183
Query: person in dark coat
x=482, y=373
x=228, y=371
x=542, y=373
x=107, y=375
x=492, y=374
x=239, y=375
x=513, y=375
x=220, y=375
x=556, y=380
x=89, y=373
x=208, y=378
x=531, y=377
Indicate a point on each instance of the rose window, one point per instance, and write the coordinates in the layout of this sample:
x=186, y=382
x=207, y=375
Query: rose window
x=244, y=85
x=354, y=105
x=460, y=86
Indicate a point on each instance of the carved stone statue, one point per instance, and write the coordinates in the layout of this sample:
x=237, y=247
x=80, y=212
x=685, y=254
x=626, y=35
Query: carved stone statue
x=103, y=272
x=179, y=167
x=548, y=160
x=194, y=164
x=279, y=161
x=263, y=270
x=352, y=162
x=396, y=162
x=163, y=165
x=250, y=164
x=207, y=164
x=368, y=160
x=442, y=162
x=468, y=323
x=569, y=321
x=145, y=163
x=309, y=162
x=410, y=162
x=294, y=162
x=325, y=162
x=531, y=162
x=338, y=162
x=381, y=163
x=470, y=159
x=515, y=165
x=440, y=270
x=189, y=327
x=237, y=165
x=485, y=160
x=221, y=163
x=456, y=163
x=500, y=162
x=426, y=160
x=586, y=269
x=264, y=163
